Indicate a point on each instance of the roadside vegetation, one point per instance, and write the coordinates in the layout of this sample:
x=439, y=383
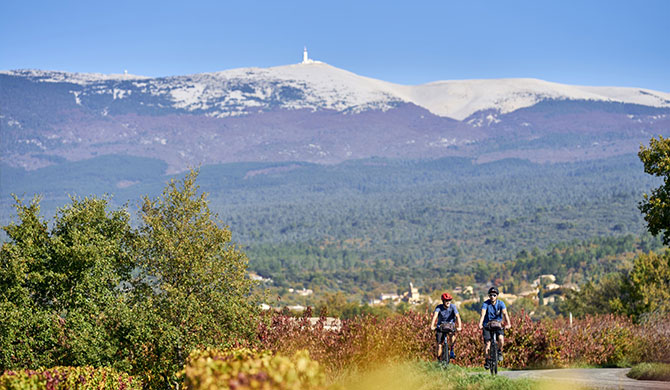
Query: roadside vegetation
x=650, y=371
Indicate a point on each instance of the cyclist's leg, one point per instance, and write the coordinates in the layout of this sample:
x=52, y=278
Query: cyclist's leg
x=501, y=343
x=487, y=341
x=487, y=346
x=452, y=339
x=439, y=338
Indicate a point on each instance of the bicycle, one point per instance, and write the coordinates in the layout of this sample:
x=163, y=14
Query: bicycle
x=493, y=327
x=448, y=328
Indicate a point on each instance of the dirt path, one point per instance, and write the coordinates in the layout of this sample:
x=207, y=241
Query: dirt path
x=597, y=378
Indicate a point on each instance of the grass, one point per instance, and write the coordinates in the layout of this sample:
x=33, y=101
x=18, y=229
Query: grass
x=650, y=371
x=429, y=376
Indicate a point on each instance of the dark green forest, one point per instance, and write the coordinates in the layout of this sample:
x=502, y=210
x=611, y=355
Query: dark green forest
x=364, y=226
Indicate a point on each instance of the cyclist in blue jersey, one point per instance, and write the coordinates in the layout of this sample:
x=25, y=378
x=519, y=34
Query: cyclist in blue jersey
x=445, y=313
x=493, y=312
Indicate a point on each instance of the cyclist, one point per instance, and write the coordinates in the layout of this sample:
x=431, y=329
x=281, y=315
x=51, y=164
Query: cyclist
x=445, y=313
x=493, y=310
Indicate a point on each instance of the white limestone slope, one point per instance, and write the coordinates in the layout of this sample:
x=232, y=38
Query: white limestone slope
x=460, y=99
x=51, y=76
x=322, y=86
x=328, y=87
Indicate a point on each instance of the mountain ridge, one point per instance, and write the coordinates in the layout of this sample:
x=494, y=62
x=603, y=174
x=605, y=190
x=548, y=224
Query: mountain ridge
x=315, y=113
x=456, y=99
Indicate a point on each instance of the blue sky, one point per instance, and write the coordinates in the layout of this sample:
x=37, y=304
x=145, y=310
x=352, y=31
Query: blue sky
x=586, y=42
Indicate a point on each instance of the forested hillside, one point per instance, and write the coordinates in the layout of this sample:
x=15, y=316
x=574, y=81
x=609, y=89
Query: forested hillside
x=370, y=225
x=357, y=227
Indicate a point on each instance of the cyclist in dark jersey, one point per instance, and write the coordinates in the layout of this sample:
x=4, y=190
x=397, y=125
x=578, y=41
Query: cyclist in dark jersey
x=445, y=313
x=493, y=310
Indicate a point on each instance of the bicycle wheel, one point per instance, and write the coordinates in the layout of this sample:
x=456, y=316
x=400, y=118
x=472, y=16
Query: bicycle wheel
x=493, y=362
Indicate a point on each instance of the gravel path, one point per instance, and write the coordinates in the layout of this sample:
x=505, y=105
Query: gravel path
x=597, y=378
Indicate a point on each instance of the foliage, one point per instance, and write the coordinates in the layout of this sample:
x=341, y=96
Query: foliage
x=597, y=298
x=361, y=342
x=651, y=336
x=59, y=291
x=656, y=207
x=69, y=378
x=636, y=292
x=366, y=342
x=90, y=290
x=648, y=283
x=340, y=306
x=650, y=371
x=248, y=369
x=243, y=369
x=362, y=226
x=192, y=290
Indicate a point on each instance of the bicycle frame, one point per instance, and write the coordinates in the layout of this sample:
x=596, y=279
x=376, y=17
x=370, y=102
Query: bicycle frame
x=444, y=357
x=493, y=352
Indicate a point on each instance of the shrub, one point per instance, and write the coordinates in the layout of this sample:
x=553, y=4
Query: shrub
x=243, y=369
x=650, y=371
x=604, y=340
x=362, y=342
x=652, y=338
x=79, y=378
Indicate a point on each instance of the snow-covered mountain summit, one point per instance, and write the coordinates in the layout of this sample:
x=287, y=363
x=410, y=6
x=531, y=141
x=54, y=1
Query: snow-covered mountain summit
x=314, y=112
x=319, y=86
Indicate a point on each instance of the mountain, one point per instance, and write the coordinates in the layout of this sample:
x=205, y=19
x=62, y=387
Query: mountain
x=326, y=177
x=314, y=112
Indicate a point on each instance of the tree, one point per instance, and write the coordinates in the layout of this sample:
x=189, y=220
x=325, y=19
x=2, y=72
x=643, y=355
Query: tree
x=193, y=290
x=88, y=289
x=656, y=207
x=639, y=292
x=605, y=296
x=648, y=284
x=59, y=287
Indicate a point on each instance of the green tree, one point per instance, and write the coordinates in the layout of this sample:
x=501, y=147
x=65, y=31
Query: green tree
x=656, y=207
x=59, y=287
x=193, y=289
x=602, y=297
x=648, y=285
x=88, y=289
x=638, y=292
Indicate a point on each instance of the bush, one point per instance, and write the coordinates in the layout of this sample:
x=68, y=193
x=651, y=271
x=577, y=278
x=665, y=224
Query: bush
x=79, y=378
x=605, y=340
x=650, y=371
x=363, y=342
x=652, y=338
x=248, y=369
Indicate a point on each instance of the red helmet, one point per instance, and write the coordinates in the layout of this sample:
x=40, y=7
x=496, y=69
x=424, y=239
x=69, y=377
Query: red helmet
x=446, y=297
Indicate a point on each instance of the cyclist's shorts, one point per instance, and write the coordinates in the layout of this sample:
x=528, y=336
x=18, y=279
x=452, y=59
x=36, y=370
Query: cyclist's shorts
x=488, y=333
x=439, y=336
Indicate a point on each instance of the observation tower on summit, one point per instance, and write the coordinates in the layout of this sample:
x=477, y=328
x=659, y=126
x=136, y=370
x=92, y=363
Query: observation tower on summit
x=306, y=59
